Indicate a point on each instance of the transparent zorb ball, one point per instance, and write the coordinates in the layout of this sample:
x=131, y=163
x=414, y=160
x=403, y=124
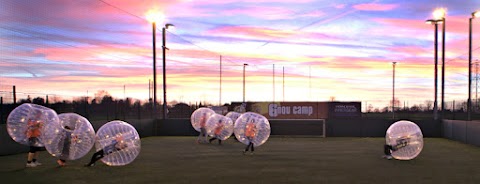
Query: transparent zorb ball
x=73, y=139
x=233, y=115
x=219, y=126
x=406, y=138
x=253, y=124
x=30, y=124
x=119, y=141
x=200, y=116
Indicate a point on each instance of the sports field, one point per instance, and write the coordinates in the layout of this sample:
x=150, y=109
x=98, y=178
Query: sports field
x=279, y=160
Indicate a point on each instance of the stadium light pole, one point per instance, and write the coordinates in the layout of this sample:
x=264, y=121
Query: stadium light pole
x=154, y=17
x=469, y=102
x=441, y=14
x=244, y=65
x=164, y=47
x=393, y=90
x=435, y=22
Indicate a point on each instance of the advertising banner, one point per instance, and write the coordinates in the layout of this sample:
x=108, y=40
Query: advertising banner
x=300, y=110
x=344, y=109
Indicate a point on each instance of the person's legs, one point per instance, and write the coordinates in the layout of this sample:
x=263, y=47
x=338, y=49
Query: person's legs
x=95, y=157
x=199, y=137
x=219, y=141
x=202, y=137
x=29, y=162
x=205, y=134
x=246, y=148
x=35, y=157
x=250, y=144
x=30, y=155
x=387, y=149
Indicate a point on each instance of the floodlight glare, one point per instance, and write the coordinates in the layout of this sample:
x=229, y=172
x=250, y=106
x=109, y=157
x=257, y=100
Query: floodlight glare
x=439, y=13
x=154, y=16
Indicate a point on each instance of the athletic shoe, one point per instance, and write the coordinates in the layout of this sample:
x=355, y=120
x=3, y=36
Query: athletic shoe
x=388, y=157
x=37, y=163
x=31, y=164
x=90, y=165
x=60, y=163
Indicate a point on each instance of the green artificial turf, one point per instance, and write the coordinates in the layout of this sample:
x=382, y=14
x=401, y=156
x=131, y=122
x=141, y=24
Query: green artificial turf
x=279, y=160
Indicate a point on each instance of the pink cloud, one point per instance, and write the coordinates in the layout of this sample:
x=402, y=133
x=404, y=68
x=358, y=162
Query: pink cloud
x=246, y=1
x=375, y=7
x=252, y=32
x=410, y=50
x=455, y=24
x=270, y=13
x=316, y=13
x=339, y=6
x=101, y=54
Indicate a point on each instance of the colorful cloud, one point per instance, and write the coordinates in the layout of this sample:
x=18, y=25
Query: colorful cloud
x=327, y=48
x=375, y=7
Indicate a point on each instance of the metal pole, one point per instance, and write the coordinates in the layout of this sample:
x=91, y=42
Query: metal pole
x=393, y=91
x=309, y=82
x=164, y=48
x=1, y=109
x=283, y=85
x=469, y=102
x=476, y=86
x=273, y=79
x=14, y=95
x=244, y=82
x=149, y=91
x=435, y=113
x=443, y=68
x=154, y=28
x=220, y=98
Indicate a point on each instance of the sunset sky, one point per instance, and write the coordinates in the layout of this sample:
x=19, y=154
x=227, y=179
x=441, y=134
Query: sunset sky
x=340, y=49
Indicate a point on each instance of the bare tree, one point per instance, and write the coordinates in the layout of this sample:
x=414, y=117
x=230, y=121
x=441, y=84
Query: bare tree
x=428, y=105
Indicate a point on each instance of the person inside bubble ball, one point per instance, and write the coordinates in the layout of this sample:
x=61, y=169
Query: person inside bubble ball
x=203, y=132
x=116, y=145
x=33, y=133
x=217, y=132
x=389, y=149
x=67, y=139
x=250, y=133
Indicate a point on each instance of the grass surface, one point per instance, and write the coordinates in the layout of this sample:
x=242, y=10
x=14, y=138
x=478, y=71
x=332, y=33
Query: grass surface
x=279, y=160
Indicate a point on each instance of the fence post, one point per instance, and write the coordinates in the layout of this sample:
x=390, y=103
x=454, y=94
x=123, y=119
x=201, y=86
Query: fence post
x=1, y=109
x=453, y=109
x=14, y=96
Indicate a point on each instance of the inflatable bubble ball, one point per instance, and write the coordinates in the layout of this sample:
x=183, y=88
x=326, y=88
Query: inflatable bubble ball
x=219, y=126
x=406, y=139
x=119, y=141
x=30, y=124
x=74, y=137
x=233, y=115
x=200, y=116
x=252, y=127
